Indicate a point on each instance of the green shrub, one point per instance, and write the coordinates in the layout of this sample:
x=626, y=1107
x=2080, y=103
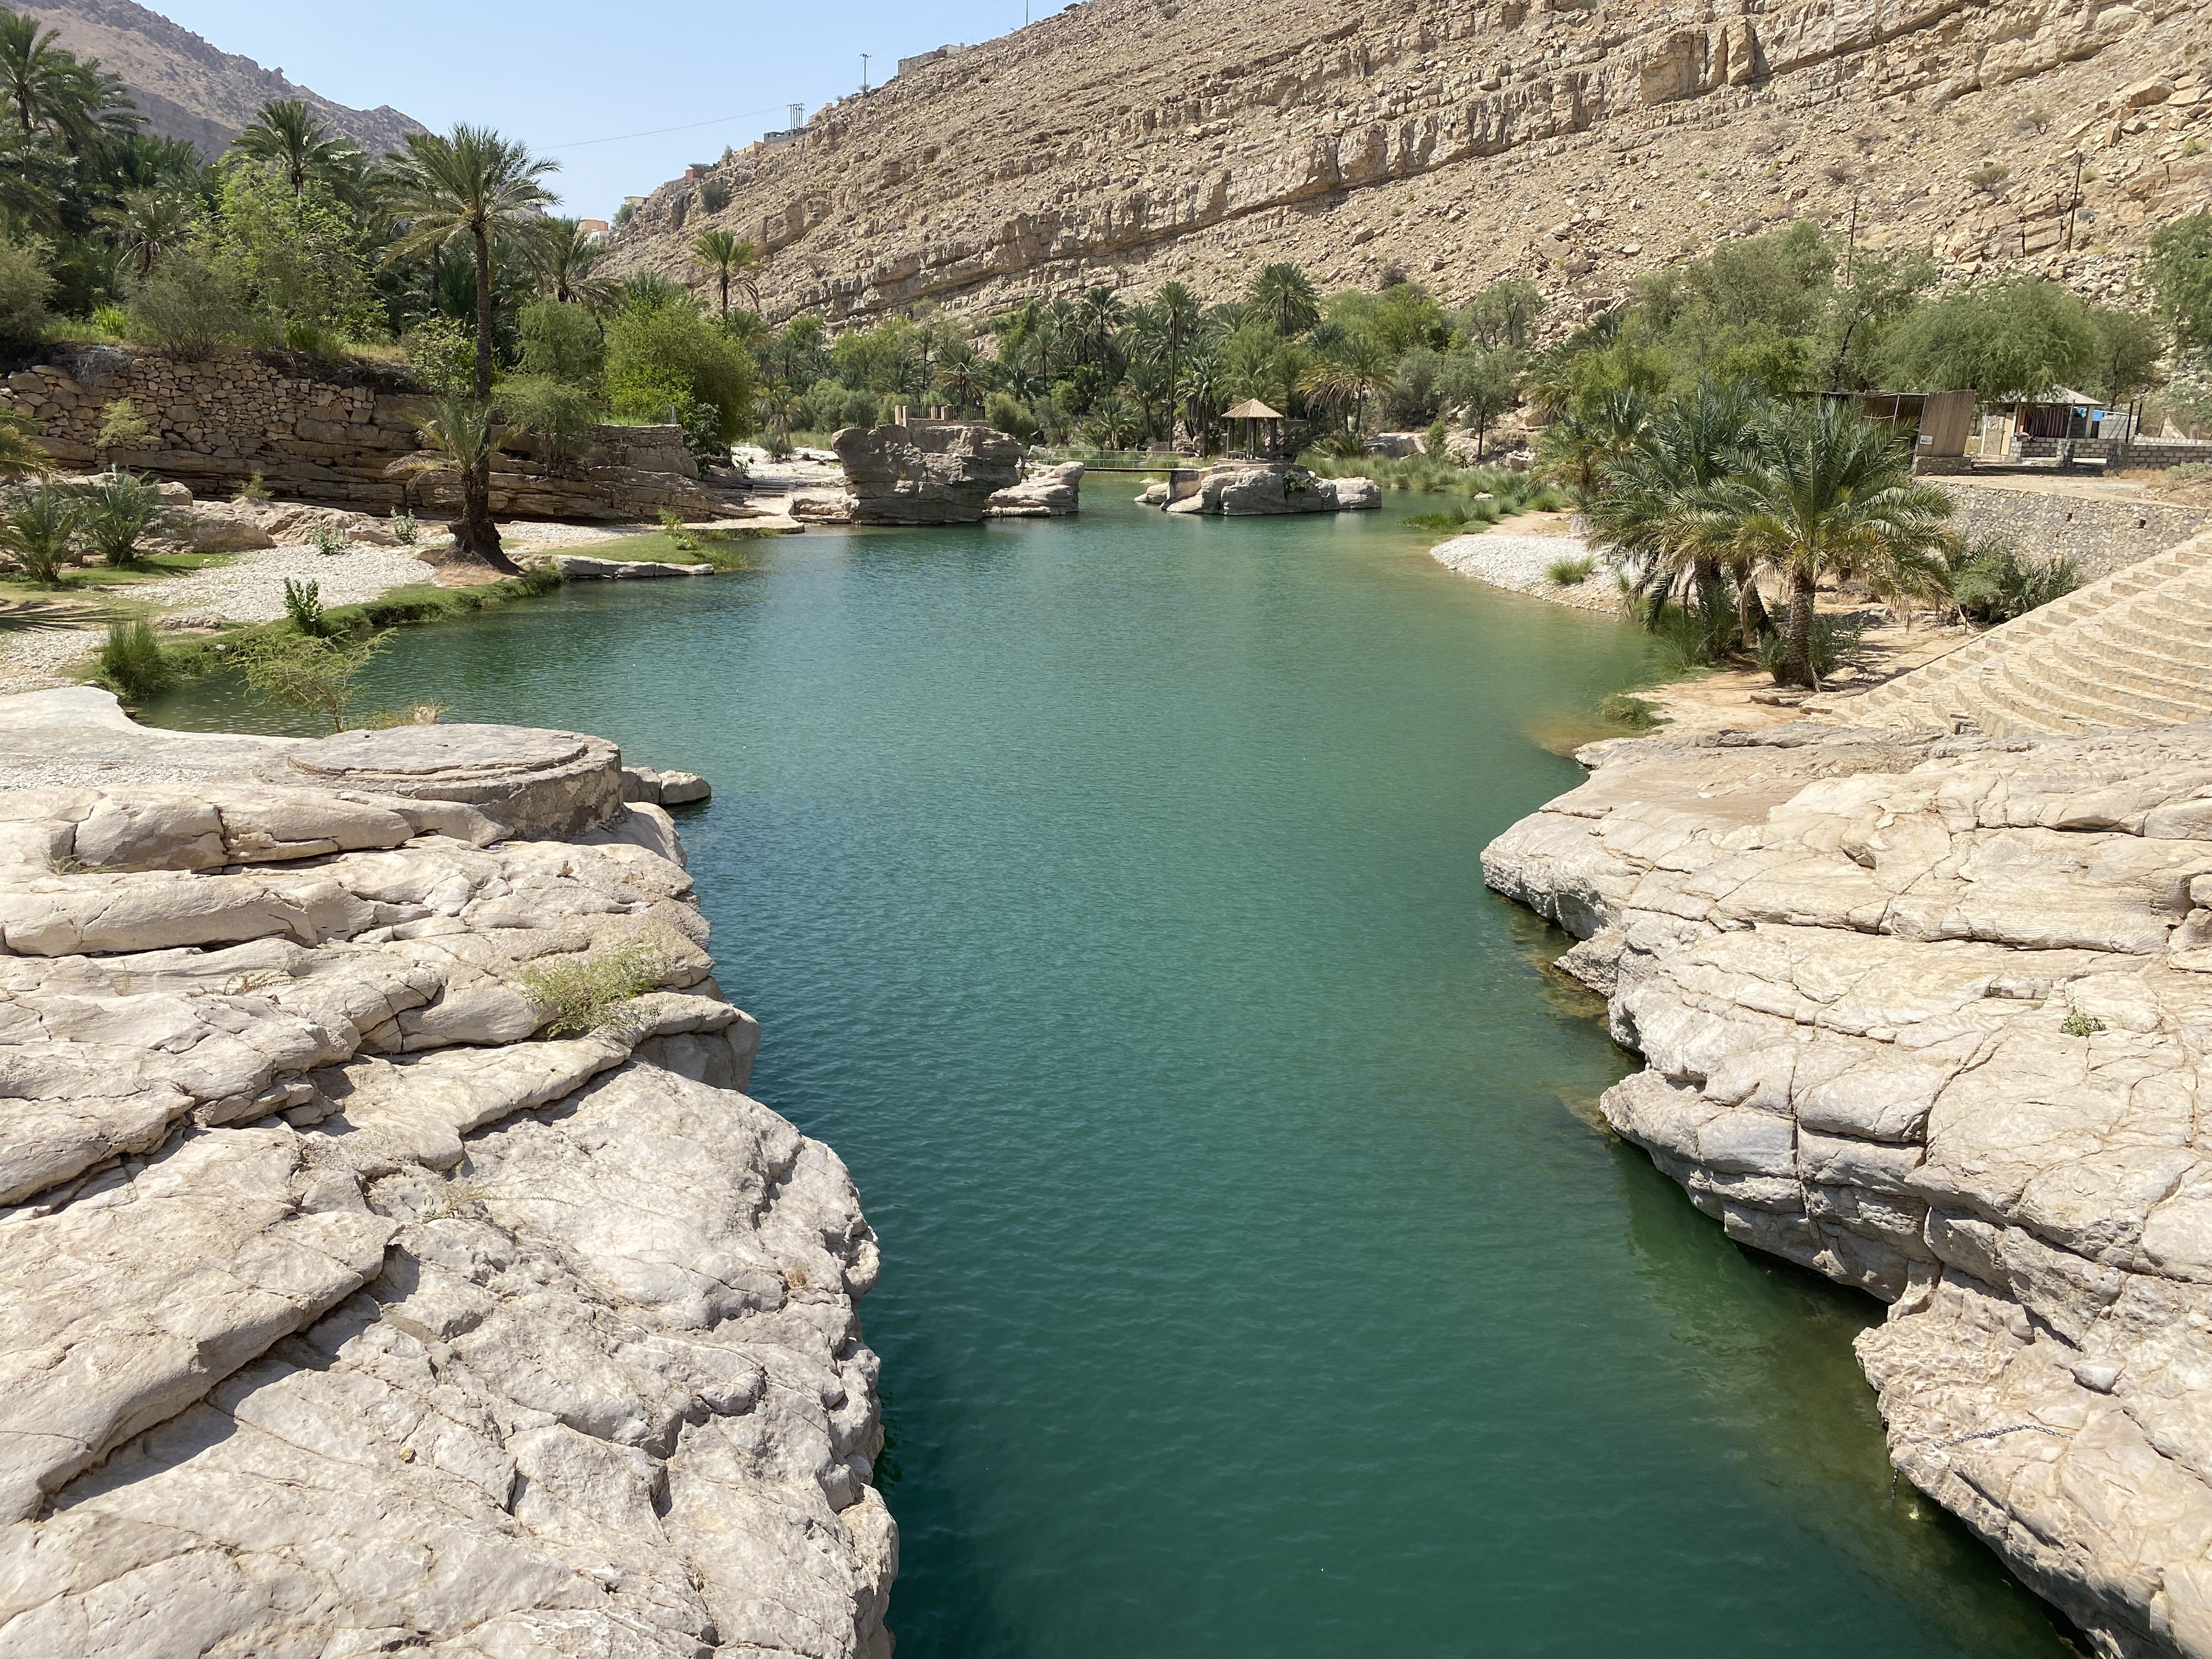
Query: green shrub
x=2189, y=471
x=663, y=353
x=714, y=195
x=312, y=339
x=122, y=427
x=189, y=304
x=39, y=528
x=1003, y=412
x=588, y=993
x=1990, y=583
x=1640, y=714
x=303, y=603
x=252, y=491
x=120, y=514
x=317, y=675
x=131, y=663
x=1570, y=572
x=111, y=320
x=1457, y=515
x=404, y=528
x=442, y=355
x=27, y=283
x=2082, y=1025
x=328, y=540
x=557, y=414
x=562, y=341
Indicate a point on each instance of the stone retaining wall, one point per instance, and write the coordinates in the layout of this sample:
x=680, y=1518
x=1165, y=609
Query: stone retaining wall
x=2100, y=535
x=327, y=433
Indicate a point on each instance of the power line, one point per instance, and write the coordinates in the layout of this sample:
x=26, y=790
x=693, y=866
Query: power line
x=719, y=120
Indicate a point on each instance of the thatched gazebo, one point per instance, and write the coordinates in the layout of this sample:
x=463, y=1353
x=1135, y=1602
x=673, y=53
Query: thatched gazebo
x=1250, y=411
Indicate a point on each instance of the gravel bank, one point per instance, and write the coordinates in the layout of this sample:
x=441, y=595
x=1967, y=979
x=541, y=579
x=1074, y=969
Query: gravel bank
x=1505, y=560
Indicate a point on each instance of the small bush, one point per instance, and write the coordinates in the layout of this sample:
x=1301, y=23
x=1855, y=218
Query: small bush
x=1639, y=714
x=252, y=491
x=1008, y=414
x=404, y=529
x=122, y=427
x=329, y=540
x=2189, y=471
x=1990, y=583
x=25, y=284
x=558, y=416
x=303, y=603
x=317, y=675
x=111, y=320
x=1570, y=572
x=1988, y=179
x=586, y=993
x=2082, y=1025
x=442, y=355
x=119, y=515
x=189, y=304
x=40, y=528
x=312, y=339
x=714, y=195
x=679, y=533
x=131, y=663
x=562, y=341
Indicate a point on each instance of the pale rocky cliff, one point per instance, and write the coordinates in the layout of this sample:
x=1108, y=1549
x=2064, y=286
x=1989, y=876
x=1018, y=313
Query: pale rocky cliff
x=187, y=88
x=1933, y=1016
x=343, y=1310
x=1127, y=142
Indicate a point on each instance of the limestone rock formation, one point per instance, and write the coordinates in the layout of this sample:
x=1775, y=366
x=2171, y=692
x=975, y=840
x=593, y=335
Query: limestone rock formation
x=1051, y=492
x=1931, y=1015
x=934, y=472
x=1239, y=489
x=364, y=1290
x=1127, y=142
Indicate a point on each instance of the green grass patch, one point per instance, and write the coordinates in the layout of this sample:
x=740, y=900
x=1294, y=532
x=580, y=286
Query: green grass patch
x=589, y=992
x=90, y=578
x=1569, y=572
x=1638, y=713
x=723, y=549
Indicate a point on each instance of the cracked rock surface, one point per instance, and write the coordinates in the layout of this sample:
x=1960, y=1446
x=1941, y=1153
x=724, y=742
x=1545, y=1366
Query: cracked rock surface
x=1932, y=1017
x=346, y=1307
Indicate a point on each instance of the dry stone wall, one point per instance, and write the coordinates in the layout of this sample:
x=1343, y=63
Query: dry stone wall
x=2100, y=535
x=329, y=434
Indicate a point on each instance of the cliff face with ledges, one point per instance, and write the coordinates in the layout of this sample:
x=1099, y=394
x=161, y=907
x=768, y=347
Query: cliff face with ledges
x=1127, y=142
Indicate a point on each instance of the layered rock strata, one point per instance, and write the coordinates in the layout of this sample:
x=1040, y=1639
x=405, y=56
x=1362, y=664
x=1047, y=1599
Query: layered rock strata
x=932, y=473
x=372, y=1282
x=1125, y=142
x=1931, y=1016
x=1048, y=492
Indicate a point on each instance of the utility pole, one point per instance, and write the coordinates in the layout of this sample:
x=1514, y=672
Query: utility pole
x=2075, y=202
x=864, y=71
x=1851, y=238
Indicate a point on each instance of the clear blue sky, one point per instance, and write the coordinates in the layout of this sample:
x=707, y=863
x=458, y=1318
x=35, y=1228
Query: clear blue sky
x=557, y=73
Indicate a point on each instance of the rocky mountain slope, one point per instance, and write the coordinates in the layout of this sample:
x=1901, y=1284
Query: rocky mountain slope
x=1931, y=1015
x=1131, y=141
x=187, y=88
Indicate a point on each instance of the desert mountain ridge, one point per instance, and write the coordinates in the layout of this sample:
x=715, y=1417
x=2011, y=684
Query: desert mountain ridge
x=188, y=89
x=1127, y=142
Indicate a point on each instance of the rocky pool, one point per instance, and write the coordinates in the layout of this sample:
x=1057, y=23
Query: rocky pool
x=1256, y=1282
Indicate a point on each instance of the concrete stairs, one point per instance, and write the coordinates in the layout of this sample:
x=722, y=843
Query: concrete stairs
x=2132, y=651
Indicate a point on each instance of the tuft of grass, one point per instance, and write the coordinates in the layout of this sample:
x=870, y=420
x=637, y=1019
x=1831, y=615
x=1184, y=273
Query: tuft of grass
x=1638, y=713
x=2082, y=1025
x=131, y=663
x=1570, y=572
x=588, y=993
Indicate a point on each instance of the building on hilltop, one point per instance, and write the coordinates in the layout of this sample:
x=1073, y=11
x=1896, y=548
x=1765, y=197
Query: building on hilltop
x=924, y=59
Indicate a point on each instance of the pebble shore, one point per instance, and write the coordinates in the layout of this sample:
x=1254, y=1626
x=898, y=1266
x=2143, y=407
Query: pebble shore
x=1520, y=563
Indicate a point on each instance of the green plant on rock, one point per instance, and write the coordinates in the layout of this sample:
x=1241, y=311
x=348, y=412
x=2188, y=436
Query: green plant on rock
x=122, y=427
x=131, y=661
x=120, y=513
x=303, y=603
x=1990, y=583
x=2080, y=1026
x=1639, y=713
x=317, y=675
x=253, y=490
x=587, y=993
x=1569, y=572
x=679, y=533
x=328, y=539
x=19, y=457
x=38, y=529
x=404, y=529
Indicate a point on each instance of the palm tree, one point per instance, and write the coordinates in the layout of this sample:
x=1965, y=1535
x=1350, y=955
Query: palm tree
x=564, y=258
x=47, y=87
x=962, y=374
x=1098, y=317
x=1358, y=370
x=474, y=184
x=1285, y=295
x=1823, y=492
x=1652, y=504
x=286, y=135
x=1204, y=391
x=731, y=258
x=1179, y=312
x=19, y=457
x=148, y=223
x=462, y=435
x=1589, y=433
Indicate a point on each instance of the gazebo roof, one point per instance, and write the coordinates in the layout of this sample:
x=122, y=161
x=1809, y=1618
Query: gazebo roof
x=1252, y=409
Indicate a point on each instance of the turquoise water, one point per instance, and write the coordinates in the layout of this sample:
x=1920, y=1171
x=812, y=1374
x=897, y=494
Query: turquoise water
x=1256, y=1282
